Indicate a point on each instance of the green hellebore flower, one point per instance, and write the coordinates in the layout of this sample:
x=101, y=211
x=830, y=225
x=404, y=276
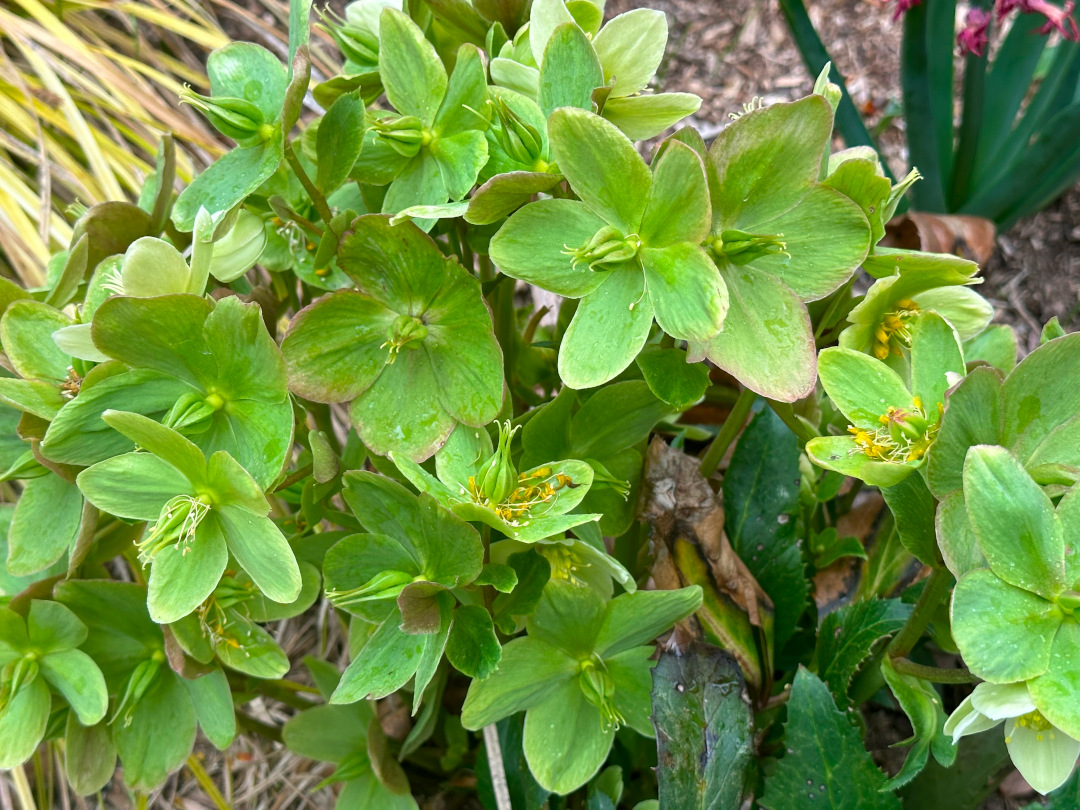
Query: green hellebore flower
x=37, y=653
x=201, y=511
x=580, y=674
x=1044, y=754
x=893, y=423
x=437, y=144
x=1016, y=619
x=629, y=249
x=413, y=349
x=780, y=239
x=235, y=118
x=477, y=484
x=909, y=283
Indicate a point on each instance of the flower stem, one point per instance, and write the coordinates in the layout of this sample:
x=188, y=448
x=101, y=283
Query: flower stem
x=937, y=586
x=906, y=666
x=728, y=431
x=317, y=199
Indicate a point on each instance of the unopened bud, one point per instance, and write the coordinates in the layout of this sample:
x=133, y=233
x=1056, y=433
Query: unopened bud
x=404, y=134
x=235, y=118
x=499, y=477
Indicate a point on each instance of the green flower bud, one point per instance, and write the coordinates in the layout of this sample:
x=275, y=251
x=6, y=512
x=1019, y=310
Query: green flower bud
x=235, y=118
x=404, y=134
x=498, y=477
x=519, y=139
x=599, y=690
x=384, y=585
x=16, y=674
x=237, y=251
x=741, y=247
x=406, y=332
x=192, y=413
x=142, y=678
x=606, y=247
x=355, y=40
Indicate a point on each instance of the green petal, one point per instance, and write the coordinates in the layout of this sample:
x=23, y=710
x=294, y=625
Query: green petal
x=678, y=208
x=1004, y=633
x=401, y=412
x=504, y=193
x=460, y=158
x=42, y=399
x=529, y=671
x=634, y=619
x=646, y=116
x=466, y=92
x=162, y=441
x=967, y=311
x=608, y=330
x=569, y=72
x=565, y=741
x=1014, y=522
x=842, y=455
x=134, y=486
x=763, y=163
x=248, y=71
x=420, y=182
x=935, y=351
x=333, y=349
x=827, y=237
x=1068, y=512
x=74, y=675
x=767, y=342
x=44, y=525
x=1057, y=692
x=630, y=48
x=972, y=416
x=160, y=735
x=212, y=699
x=955, y=537
x=248, y=362
x=532, y=246
x=52, y=627
x=261, y=549
x=601, y=166
x=862, y=387
x=688, y=295
x=180, y=582
x=631, y=672
x=26, y=333
x=1041, y=394
x=545, y=17
x=412, y=74
x=22, y=724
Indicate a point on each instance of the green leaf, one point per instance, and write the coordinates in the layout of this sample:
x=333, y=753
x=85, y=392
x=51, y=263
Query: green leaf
x=338, y=142
x=44, y=525
x=634, y=619
x=1004, y=633
x=383, y=665
x=74, y=675
x=329, y=733
x=413, y=76
x=601, y=166
x=631, y=47
x=761, y=502
x=529, y=671
x=41, y=399
x=704, y=729
x=762, y=164
x=569, y=72
x=826, y=764
x=860, y=386
x=532, y=244
x=160, y=735
x=472, y=647
x=135, y=485
x=688, y=295
x=922, y=705
x=979, y=762
x=565, y=741
x=1014, y=522
x=913, y=507
x=52, y=627
x=608, y=330
x=849, y=635
x=672, y=378
x=22, y=723
x=767, y=341
x=248, y=71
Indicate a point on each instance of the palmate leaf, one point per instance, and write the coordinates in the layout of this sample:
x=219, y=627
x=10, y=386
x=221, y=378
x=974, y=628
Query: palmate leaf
x=825, y=764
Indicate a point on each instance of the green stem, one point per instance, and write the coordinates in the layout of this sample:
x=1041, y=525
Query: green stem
x=728, y=431
x=317, y=199
x=206, y=783
x=937, y=586
x=248, y=723
x=933, y=674
x=293, y=477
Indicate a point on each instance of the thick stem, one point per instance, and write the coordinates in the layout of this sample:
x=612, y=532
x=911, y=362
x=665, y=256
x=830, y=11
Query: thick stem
x=933, y=674
x=937, y=586
x=728, y=431
x=495, y=764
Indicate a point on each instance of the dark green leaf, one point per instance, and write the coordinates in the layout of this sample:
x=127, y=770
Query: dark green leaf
x=849, y=635
x=472, y=646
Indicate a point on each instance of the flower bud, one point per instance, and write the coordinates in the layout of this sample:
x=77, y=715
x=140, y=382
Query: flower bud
x=599, y=690
x=404, y=134
x=237, y=251
x=741, y=247
x=142, y=678
x=192, y=412
x=357, y=42
x=518, y=138
x=384, y=585
x=606, y=247
x=16, y=674
x=499, y=477
x=235, y=118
